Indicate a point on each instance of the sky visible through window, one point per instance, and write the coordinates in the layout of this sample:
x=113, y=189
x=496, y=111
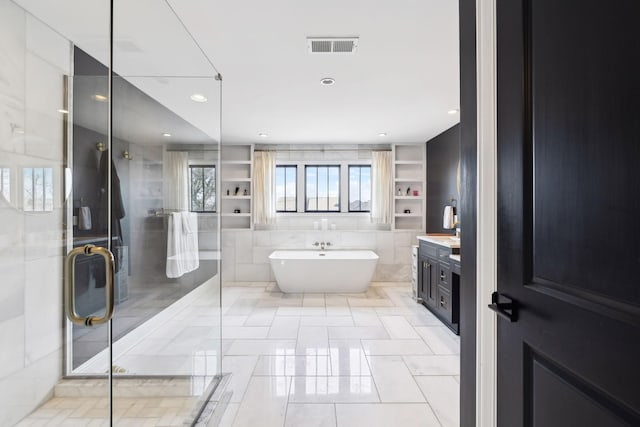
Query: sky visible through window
x=286, y=190
x=322, y=188
x=359, y=188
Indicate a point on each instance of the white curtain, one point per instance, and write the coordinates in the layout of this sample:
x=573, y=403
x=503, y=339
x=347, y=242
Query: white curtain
x=264, y=187
x=175, y=173
x=381, y=187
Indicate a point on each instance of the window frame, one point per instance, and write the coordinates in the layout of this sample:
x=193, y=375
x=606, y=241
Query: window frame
x=337, y=166
x=359, y=187
x=295, y=203
x=215, y=187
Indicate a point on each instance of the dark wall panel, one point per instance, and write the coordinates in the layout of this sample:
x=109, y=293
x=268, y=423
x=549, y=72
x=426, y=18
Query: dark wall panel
x=467, y=205
x=443, y=155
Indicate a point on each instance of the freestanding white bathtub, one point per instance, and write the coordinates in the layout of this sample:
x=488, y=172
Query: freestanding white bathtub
x=323, y=271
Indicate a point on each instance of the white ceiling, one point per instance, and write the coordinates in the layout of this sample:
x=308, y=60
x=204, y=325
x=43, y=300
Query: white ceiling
x=402, y=80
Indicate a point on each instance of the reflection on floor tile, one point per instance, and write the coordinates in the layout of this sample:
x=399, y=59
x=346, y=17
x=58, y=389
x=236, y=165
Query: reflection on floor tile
x=292, y=365
x=333, y=389
x=264, y=402
x=393, y=379
x=385, y=415
x=310, y=415
x=395, y=347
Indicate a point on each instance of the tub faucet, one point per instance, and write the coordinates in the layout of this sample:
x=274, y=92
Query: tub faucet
x=322, y=244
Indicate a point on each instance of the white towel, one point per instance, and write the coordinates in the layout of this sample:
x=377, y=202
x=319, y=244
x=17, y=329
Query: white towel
x=447, y=218
x=182, y=244
x=84, y=218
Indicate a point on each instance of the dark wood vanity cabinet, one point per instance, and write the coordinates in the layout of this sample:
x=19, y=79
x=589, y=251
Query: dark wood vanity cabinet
x=438, y=284
x=427, y=289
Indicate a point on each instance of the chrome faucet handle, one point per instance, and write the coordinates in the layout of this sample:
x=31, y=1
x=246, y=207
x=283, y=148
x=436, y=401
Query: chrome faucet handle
x=316, y=243
x=327, y=243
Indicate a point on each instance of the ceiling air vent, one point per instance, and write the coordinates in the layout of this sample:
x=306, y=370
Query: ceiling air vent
x=332, y=44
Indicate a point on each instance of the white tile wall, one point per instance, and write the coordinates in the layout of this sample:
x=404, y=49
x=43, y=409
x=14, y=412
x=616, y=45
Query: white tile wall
x=246, y=252
x=33, y=61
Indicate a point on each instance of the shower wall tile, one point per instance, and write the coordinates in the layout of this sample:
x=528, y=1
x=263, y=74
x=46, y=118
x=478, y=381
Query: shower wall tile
x=27, y=388
x=47, y=44
x=12, y=291
x=34, y=59
x=44, y=97
x=43, y=300
x=12, y=58
x=43, y=234
x=12, y=344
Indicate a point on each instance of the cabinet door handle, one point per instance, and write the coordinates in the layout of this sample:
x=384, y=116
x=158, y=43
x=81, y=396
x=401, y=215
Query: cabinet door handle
x=441, y=301
x=426, y=265
x=69, y=285
x=442, y=275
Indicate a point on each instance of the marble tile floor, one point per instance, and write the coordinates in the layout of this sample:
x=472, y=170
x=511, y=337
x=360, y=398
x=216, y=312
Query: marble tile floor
x=348, y=360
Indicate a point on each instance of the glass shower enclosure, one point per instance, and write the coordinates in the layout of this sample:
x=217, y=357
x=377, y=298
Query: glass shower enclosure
x=109, y=227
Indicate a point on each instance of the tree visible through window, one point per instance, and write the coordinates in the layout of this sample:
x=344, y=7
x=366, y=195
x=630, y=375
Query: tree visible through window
x=202, y=181
x=322, y=188
x=37, y=189
x=359, y=188
x=286, y=189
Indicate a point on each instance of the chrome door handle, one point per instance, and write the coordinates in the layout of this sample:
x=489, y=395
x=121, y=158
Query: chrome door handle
x=70, y=285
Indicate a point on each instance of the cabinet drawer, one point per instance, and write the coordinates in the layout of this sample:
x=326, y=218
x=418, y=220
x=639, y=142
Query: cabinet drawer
x=426, y=249
x=443, y=254
x=444, y=276
x=444, y=303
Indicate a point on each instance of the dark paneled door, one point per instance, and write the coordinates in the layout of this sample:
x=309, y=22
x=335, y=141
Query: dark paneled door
x=569, y=212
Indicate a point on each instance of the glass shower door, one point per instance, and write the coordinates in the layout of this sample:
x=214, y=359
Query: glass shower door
x=39, y=210
x=165, y=150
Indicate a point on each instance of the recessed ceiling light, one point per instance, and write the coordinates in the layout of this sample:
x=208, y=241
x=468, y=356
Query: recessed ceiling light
x=167, y=135
x=263, y=135
x=198, y=97
x=99, y=97
x=455, y=111
x=328, y=81
x=382, y=134
x=63, y=111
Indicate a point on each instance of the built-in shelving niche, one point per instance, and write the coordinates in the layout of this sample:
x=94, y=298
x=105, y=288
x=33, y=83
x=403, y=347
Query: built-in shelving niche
x=236, y=176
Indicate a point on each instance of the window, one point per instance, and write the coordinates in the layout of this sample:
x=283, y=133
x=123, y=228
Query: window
x=202, y=181
x=359, y=188
x=286, y=189
x=322, y=188
x=37, y=189
x=5, y=183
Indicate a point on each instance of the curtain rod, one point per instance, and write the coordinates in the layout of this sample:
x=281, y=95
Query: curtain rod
x=320, y=149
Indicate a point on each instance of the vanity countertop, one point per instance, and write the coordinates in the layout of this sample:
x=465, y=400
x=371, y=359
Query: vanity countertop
x=455, y=257
x=445, y=240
